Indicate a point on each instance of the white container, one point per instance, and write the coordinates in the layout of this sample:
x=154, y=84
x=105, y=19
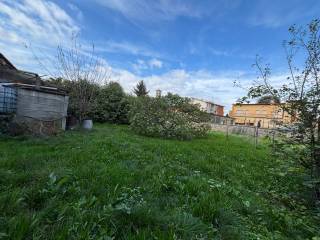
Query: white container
x=87, y=124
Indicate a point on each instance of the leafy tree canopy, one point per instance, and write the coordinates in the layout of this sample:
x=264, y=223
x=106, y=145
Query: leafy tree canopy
x=268, y=99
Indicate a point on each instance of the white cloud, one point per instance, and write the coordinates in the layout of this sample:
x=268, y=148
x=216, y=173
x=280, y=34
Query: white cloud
x=40, y=20
x=155, y=63
x=152, y=10
x=39, y=23
x=141, y=65
x=76, y=10
x=218, y=52
x=147, y=11
x=126, y=47
x=281, y=13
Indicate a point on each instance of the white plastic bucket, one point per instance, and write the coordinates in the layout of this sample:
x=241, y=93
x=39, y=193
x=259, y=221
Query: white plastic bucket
x=87, y=124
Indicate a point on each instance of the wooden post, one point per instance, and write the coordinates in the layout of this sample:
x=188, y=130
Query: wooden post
x=227, y=129
x=256, y=136
x=273, y=143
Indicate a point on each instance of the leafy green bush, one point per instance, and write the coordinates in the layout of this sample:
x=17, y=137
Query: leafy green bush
x=171, y=116
x=112, y=104
x=107, y=103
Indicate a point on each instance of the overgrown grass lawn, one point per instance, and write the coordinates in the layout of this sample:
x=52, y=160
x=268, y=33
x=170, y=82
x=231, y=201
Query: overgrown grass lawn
x=112, y=184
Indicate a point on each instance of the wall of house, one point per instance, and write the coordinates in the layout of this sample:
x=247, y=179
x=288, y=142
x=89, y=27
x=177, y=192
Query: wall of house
x=270, y=115
x=219, y=110
x=208, y=106
x=202, y=104
x=40, y=107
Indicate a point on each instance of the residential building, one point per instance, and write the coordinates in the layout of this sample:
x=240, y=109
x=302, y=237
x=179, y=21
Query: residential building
x=215, y=110
x=269, y=115
x=209, y=107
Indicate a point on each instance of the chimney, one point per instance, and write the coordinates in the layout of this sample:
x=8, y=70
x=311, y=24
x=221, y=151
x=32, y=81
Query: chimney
x=158, y=93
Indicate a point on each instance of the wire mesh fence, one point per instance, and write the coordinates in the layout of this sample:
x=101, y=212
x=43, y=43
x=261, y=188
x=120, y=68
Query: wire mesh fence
x=8, y=100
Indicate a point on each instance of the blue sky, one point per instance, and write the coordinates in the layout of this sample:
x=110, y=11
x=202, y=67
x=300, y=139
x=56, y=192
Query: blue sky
x=195, y=48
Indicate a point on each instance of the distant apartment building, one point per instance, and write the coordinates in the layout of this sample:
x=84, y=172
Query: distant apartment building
x=216, y=111
x=209, y=107
x=270, y=115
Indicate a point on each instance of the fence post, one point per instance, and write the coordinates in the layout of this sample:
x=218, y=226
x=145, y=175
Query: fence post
x=273, y=144
x=227, y=129
x=256, y=136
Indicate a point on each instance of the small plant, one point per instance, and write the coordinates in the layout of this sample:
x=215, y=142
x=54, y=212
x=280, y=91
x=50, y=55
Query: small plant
x=129, y=200
x=189, y=227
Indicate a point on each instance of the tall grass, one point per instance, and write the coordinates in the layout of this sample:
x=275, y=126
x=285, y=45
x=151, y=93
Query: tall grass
x=113, y=184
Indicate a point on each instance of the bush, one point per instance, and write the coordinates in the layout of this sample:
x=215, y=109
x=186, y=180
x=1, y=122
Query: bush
x=112, y=104
x=107, y=103
x=168, y=117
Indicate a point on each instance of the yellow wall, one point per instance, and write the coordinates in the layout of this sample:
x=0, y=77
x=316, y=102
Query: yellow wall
x=250, y=114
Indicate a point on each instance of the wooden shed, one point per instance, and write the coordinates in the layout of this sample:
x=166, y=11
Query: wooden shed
x=39, y=107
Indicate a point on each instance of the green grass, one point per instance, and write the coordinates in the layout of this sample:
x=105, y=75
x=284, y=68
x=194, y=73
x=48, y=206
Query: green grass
x=113, y=184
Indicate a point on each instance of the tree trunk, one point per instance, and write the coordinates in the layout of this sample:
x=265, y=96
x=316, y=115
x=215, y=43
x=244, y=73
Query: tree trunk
x=316, y=158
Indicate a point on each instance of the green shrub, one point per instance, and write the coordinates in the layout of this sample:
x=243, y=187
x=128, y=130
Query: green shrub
x=112, y=104
x=171, y=116
x=107, y=103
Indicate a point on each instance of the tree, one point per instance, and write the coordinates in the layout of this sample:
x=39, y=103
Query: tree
x=301, y=94
x=84, y=70
x=141, y=90
x=80, y=71
x=268, y=99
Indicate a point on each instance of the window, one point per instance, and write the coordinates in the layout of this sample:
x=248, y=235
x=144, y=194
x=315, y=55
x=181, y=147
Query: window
x=241, y=112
